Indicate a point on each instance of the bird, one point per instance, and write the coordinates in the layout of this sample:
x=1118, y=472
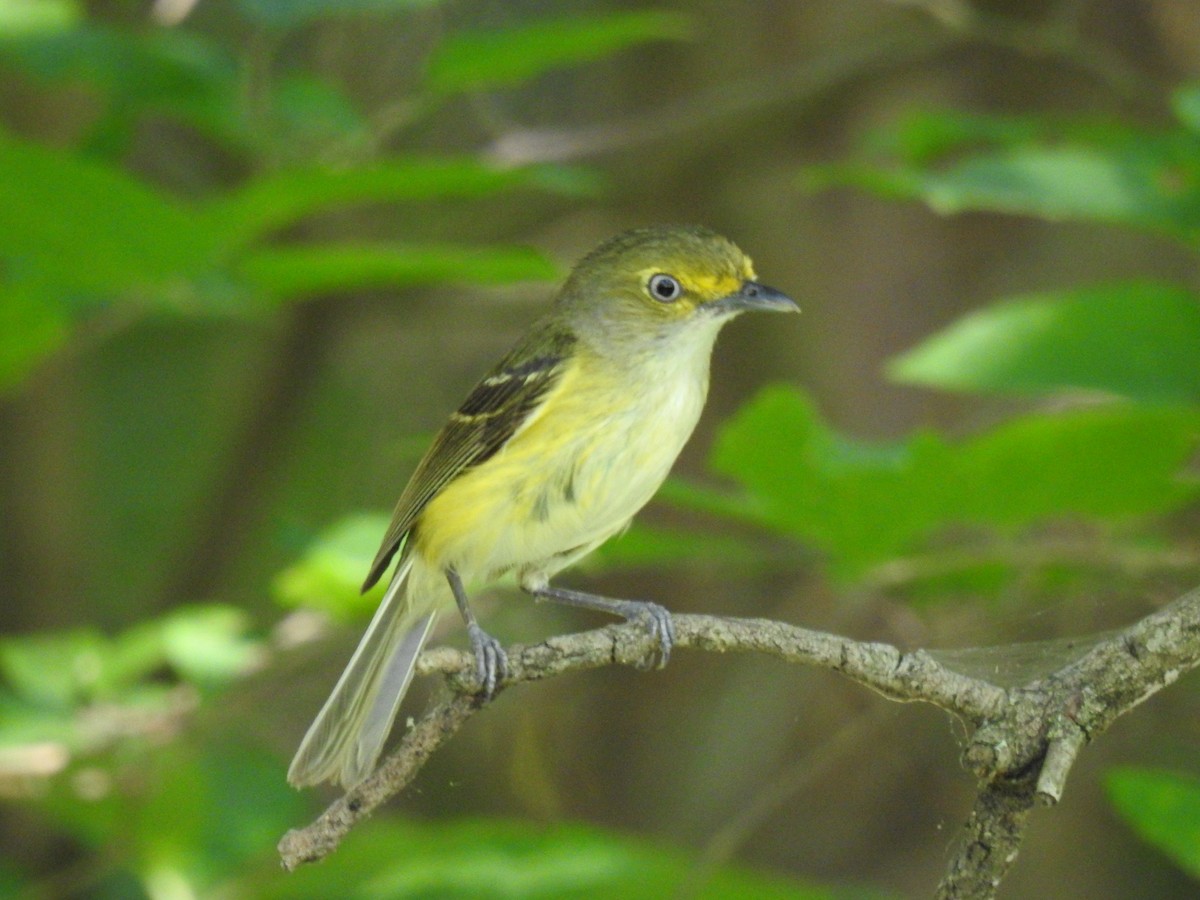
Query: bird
x=550, y=455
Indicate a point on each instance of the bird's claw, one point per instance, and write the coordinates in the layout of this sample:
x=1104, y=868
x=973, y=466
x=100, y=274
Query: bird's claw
x=657, y=620
x=491, y=662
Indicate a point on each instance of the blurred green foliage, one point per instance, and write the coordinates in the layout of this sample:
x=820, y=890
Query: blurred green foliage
x=865, y=504
x=1135, y=340
x=83, y=235
x=330, y=573
x=499, y=859
x=498, y=58
x=1055, y=169
x=95, y=733
x=1163, y=808
x=1136, y=344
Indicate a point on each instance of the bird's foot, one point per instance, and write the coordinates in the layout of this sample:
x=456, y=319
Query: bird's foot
x=491, y=662
x=656, y=619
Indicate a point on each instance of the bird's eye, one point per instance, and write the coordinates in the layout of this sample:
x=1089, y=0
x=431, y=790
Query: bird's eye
x=664, y=288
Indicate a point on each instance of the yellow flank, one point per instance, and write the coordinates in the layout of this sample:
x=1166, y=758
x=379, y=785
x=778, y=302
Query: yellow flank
x=585, y=462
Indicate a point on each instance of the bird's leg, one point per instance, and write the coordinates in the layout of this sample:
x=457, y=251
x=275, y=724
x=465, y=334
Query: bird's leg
x=656, y=619
x=491, y=662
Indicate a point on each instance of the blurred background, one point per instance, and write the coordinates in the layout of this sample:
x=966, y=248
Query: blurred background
x=253, y=251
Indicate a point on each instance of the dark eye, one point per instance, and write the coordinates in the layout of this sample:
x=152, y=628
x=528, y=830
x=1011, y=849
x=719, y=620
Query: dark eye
x=664, y=288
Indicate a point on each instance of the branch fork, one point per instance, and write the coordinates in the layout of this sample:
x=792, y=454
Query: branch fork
x=1023, y=744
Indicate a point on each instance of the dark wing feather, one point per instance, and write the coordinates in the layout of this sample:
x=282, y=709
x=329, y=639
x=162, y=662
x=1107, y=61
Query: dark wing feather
x=490, y=415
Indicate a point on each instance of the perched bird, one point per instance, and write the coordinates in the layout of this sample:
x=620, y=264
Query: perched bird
x=550, y=455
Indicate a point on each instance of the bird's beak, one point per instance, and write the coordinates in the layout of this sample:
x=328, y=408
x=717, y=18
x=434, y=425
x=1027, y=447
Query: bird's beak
x=755, y=296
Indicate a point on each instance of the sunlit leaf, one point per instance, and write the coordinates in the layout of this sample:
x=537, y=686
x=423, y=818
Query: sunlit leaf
x=863, y=503
x=297, y=271
x=1163, y=808
x=25, y=17
x=54, y=670
x=330, y=573
x=34, y=737
x=503, y=57
x=210, y=644
x=1139, y=340
x=62, y=670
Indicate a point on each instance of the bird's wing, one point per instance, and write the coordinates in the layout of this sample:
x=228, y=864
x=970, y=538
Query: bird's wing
x=491, y=414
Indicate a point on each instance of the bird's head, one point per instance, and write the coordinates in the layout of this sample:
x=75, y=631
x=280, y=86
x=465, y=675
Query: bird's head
x=650, y=278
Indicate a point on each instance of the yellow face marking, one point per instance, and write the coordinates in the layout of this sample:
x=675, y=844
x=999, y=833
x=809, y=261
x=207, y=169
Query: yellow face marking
x=710, y=287
x=704, y=286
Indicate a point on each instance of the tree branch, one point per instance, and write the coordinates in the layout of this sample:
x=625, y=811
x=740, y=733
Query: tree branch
x=1023, y=745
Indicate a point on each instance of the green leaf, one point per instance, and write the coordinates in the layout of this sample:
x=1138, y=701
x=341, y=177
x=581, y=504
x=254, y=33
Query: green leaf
x=1064, y=183
x=54, y=670
x=188, y=814
x=162, y=71
x=308, y=114
x=1145, y=181
x=490, y=860
x=1068, y=183
x=210, y=644
x=172, y=72
x=1114, y=463
x=60, y=670
x=35, y=737
x=246, y=779
x=331, y=571
x=925, y=136
x=31, y=328
x=1139, y=340
x=290, y=272
x=272, y=202
x=864, y=503
x=84, y=226
x=20, y=18
x=483, y=60
x=1163, y=808
x=206, y=811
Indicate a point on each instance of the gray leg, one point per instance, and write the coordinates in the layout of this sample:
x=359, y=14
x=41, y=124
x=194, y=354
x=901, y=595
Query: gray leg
x=491, y=662
x=656, y=619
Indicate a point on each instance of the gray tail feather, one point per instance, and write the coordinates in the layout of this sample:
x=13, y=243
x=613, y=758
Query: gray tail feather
x=349, y=732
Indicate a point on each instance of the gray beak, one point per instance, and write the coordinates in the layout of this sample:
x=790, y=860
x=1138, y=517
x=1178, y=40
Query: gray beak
x=755, y=296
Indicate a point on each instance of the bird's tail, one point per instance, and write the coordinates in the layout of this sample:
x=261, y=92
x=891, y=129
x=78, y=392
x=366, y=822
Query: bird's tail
x=345, y=739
